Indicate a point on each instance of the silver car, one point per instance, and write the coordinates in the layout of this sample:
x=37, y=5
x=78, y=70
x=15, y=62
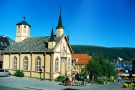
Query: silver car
x=4, y=72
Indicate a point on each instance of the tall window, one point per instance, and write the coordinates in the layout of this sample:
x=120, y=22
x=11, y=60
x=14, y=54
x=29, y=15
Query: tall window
x=68, y=66
x=19, y=29
x=24, y=31
x=25, y=63
x=38, y=64
x=15, y=62
x=56, y=65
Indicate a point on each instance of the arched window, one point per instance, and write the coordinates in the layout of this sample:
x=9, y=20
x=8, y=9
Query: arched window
x=25, y=63
x=15, y=62
x=68, y=64
x=38, y=64
x=56, y=64
x=24, y=30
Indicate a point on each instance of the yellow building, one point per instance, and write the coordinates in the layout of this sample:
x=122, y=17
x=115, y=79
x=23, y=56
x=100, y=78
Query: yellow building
x=51, y=54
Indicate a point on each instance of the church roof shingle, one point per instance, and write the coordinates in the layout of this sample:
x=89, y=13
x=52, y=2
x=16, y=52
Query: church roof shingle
x=34, y=44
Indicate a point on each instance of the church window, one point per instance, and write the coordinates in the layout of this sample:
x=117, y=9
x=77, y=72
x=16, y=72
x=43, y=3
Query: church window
x=38, y=64
x=56, y=65
x=15, y=62
x=24, y=30
x=25, y=63
x=19, y=29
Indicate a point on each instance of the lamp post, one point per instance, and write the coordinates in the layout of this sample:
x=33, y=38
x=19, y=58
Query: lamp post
x=40, y=72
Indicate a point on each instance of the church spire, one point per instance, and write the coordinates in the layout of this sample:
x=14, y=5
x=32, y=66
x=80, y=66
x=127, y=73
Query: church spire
x=52, y=35
x=60, y=20
x=51, y=42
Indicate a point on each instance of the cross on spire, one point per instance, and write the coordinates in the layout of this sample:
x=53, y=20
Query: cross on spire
x=24, y=18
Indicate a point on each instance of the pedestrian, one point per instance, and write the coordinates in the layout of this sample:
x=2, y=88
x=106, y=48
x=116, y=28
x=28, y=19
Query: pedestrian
x=73, y=78
x=66, y=80
x=76, y=76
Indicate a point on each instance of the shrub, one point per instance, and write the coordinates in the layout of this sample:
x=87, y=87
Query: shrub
x=60, y=78
x=19, y=73
x=131, y=85
x=125, y=85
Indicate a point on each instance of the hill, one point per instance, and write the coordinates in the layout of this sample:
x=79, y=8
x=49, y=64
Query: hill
x=111, y=53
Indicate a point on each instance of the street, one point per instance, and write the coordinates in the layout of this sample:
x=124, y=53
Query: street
x=24, y=83
x=8, y=88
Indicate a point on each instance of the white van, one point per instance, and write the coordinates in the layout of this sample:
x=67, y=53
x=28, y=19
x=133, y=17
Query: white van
x=4, y=72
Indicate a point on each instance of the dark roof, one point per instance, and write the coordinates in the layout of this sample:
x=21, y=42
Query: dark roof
x=5, y=42
x=34, y=44
x=23, y=23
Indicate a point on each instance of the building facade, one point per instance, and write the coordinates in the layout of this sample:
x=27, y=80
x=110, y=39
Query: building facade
x=50, y=55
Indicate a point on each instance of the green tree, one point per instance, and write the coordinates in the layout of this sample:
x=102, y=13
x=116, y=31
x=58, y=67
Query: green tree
x=99, y=66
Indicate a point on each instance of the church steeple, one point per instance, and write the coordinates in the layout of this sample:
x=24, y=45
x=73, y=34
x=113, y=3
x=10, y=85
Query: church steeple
x=51, y=42
x=52, y=36
x=60, y=27
x=60, y=21
x=23, y=30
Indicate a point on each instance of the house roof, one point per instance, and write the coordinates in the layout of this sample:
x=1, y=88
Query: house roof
x=34, y=44
x=5, y=42
x=81, y=59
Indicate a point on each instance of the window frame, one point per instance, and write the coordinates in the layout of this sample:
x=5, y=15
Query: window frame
x=15, y=63
x=57, y=64
x=38, y=64
x=25, y=64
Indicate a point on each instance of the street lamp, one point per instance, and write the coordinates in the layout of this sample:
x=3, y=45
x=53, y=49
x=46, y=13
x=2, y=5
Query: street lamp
x=40, y=72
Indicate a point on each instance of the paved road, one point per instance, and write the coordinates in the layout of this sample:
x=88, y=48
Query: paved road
x=8, y=88
x=14, y=83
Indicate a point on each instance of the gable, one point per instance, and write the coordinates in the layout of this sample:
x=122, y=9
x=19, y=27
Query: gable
x=63, y=43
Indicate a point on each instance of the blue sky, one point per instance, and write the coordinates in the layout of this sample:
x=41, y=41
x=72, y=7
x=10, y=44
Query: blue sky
x=109, y=23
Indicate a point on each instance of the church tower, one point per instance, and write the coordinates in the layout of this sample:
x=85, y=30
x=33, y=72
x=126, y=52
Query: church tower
x=51, y=42
x=60, y=28
x=22, y=31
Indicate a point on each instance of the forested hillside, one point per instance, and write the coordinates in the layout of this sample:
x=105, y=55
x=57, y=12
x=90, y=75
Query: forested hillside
x=111, y=53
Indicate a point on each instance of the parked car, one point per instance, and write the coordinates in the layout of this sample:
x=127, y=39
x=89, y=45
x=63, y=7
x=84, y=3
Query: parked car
x=4, y=72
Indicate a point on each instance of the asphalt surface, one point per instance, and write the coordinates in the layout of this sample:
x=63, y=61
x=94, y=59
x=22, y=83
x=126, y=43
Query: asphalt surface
x=8, y=88
x=15, y=83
